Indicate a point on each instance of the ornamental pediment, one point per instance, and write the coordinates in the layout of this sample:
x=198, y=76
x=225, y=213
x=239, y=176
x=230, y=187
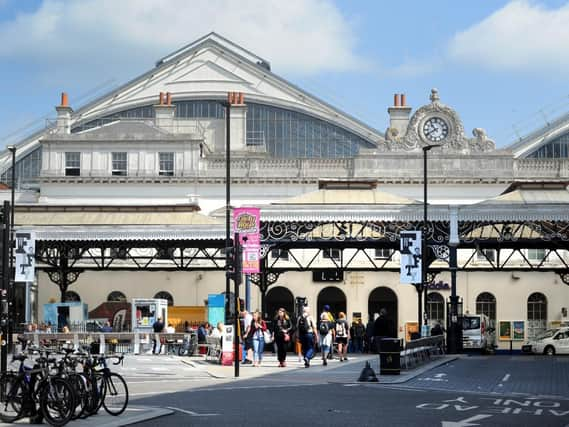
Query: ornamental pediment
x=437, y=123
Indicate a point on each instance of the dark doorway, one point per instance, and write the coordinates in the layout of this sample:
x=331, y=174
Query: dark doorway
x=383, y=297
x=334, y=297
x=279, y=297
x=62, y=317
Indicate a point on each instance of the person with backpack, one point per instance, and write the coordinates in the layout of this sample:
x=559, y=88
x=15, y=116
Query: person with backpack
x=326, y=331
x=307, y=332
x=342, y=335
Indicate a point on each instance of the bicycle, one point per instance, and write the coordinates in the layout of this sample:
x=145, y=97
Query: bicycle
x=111, y=387
x=21, y=393
x=189, y=346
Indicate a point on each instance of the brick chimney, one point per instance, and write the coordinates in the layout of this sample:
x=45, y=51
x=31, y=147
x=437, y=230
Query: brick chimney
x=63, y=124
x=399, y=114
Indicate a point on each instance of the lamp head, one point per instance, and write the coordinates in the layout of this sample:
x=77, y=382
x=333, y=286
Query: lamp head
x=429, y=147
x=11, y=148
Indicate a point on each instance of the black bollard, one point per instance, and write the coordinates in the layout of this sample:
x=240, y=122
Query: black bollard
x=368, y=375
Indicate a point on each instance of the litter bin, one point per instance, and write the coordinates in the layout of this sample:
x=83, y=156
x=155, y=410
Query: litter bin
x=389, y=360
x=95, y=347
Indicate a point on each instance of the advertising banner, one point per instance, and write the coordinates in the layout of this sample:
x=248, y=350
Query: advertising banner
x=24, y=253
x=410, y=257
x=505, y=330
x=518, y=330
x=247, y=222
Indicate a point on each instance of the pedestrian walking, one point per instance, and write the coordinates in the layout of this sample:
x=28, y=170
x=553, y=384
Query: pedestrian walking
x=368, y=344
x=247, y=337
x=380, y=328
x=282, y=331
x=342, y=335
x=307, y=332
x=256, y=330
x=157, y=327
x=357, y=333
x=326, y=332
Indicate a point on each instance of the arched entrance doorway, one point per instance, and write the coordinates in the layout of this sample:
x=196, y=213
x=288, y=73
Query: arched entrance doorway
x=383, y=297
x=279, y=297
x=334, y=297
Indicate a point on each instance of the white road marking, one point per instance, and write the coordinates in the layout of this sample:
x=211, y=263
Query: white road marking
x=506, y=377
x=465, y=422
x=439, y=375
x=192, y=413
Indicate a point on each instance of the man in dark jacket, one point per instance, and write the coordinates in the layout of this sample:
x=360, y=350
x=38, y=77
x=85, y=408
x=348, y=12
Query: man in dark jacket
x=157, y=327
x=380, y=328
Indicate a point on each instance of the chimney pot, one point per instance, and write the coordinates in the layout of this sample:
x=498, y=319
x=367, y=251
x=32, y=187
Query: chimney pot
x=64, y=99
x=396, y=100
x=161, y=99
x=241, y=98
x=168, y=98
x=403, y=100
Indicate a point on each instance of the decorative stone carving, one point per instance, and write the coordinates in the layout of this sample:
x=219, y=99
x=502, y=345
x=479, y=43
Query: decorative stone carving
x=481, y=142
x=455, y=141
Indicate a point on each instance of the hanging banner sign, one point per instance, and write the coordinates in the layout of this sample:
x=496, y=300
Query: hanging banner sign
x=247, y=222
x=410, y=257
x=24, y=252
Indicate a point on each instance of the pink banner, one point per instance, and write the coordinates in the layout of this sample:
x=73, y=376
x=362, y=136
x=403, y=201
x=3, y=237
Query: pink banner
x=247, y=222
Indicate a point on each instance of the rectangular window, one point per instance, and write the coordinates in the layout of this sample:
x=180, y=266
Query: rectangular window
x=536, y=254
x=486, y=255
x=281, y=254
x=119, y=166
x=383, y=253
x=72, y=164
x=166, y=164
x=331, y=254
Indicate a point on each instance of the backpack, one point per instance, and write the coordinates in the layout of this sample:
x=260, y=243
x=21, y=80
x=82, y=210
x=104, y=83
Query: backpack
x=341, y=329
x=324, y=327
x=302, y=325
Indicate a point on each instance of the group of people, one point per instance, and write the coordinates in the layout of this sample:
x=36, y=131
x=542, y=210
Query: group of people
x=309, y=333
x=324, y=333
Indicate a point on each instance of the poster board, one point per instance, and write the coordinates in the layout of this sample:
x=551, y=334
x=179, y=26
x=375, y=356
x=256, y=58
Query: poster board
x=411, y=328
x=505, y=330
x=518, y=330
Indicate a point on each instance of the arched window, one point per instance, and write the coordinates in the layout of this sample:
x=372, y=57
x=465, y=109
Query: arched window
x=165, y=295
x=486, y=304
x=71, y=296
x=436, y=307
x=537, y=314
x=116, y=296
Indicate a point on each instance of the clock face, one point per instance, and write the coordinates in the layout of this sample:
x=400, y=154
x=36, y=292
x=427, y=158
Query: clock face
x=435, y=129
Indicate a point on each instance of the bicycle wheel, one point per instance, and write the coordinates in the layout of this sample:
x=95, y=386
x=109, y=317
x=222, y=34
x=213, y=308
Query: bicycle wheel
x=12, y=395
x=116, y=394
x=57, y=401
x=95, y=395
x=79, y=384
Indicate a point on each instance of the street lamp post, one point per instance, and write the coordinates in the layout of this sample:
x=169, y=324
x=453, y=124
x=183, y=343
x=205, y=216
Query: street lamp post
x=11, y=290
x=424, y=283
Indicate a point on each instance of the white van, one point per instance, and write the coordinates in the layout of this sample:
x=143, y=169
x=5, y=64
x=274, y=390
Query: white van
x=477, y=333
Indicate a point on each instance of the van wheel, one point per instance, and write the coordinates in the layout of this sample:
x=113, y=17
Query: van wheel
x=549, y=350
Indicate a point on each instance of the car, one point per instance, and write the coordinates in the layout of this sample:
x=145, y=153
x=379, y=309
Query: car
x=550, y=342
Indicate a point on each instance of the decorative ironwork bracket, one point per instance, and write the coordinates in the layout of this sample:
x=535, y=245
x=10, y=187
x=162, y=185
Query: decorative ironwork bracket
x=564, y=275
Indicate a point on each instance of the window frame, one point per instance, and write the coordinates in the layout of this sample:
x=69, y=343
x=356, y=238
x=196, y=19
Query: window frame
x=162, y=170
x=332, y=253
x=72, y=165
x=119, y=171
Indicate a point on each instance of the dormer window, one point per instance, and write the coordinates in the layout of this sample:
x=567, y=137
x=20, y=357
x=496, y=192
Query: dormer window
x=119, y=167
x=166, y=164
x=72, y=164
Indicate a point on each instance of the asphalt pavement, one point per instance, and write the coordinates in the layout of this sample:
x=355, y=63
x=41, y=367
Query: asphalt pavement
x=448, y=391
